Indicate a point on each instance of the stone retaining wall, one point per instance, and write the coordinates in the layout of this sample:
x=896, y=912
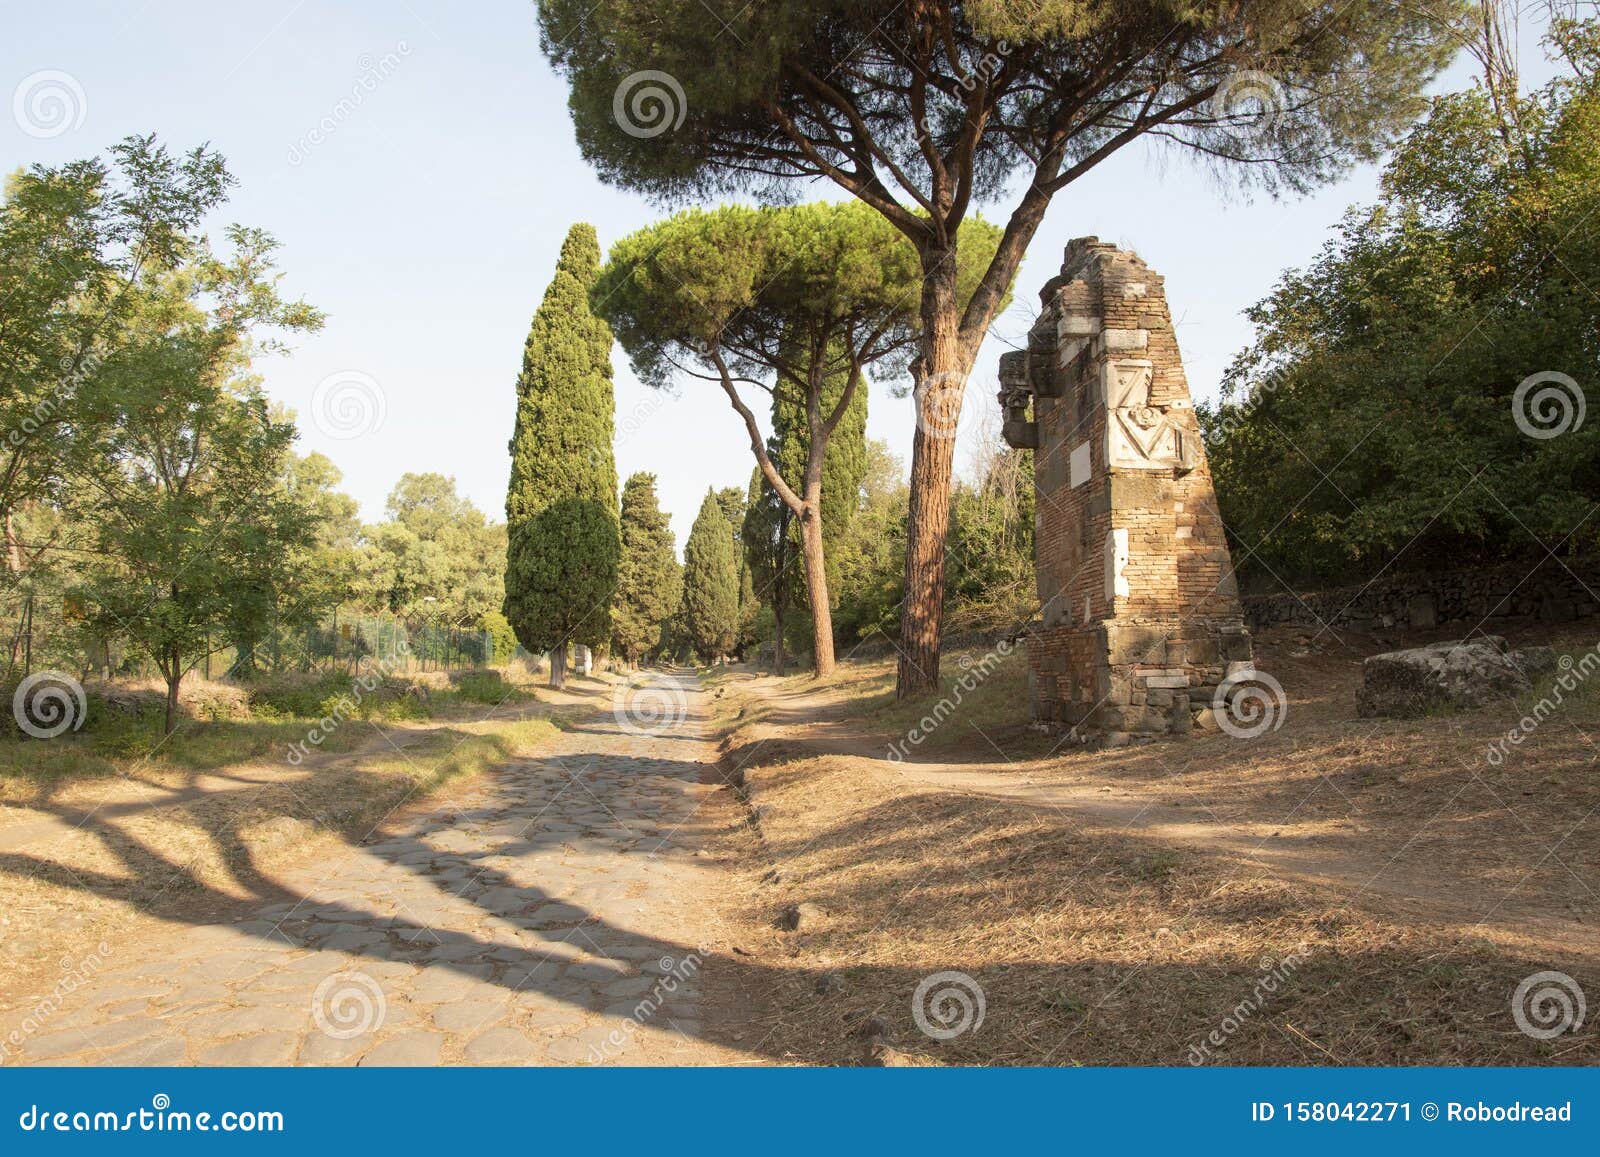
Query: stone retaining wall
x=1551, y=594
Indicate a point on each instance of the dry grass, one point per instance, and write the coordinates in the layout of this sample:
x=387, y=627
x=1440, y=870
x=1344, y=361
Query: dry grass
x=1122, y=914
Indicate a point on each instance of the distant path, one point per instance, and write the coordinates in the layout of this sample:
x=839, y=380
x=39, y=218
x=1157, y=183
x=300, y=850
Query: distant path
x=547, y=914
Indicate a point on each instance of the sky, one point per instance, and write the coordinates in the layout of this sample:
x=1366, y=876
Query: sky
x=416, y=161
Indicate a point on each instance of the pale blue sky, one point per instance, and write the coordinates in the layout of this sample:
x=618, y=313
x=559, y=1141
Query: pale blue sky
x=426, y=221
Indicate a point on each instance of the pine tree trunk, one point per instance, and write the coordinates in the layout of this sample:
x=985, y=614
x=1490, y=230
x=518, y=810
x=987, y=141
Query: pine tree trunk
x=941, y=382
x=558, y=666
x=817, y=592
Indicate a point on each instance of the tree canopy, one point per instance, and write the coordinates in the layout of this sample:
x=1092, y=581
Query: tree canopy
x=711, y=583
x=1414, y=397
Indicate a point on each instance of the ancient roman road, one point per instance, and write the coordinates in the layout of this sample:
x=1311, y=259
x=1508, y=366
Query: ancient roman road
x=547, y=913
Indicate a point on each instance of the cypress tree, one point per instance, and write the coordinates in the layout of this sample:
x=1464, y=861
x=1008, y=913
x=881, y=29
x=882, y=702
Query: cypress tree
x=561, y=507
x=711, y=582
x=649, y=580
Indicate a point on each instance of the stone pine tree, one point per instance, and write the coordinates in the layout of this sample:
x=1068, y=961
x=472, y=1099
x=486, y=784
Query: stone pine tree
x=562, y=539
x=782, y=300
x=924, y=111
x=711, y=582
x=649, y=580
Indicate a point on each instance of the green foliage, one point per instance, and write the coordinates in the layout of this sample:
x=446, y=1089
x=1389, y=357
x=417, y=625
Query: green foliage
x=561, y=506
x=502, y=639
x=871, y=558
x=184, y=465
x=989, y=579
x=1376, y=414
x=649, y=579
x=76, y=241
x=711, y=583
x=436, y=555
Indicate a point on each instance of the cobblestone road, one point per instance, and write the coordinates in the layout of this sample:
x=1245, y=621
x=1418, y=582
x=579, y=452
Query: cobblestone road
x=550, y=914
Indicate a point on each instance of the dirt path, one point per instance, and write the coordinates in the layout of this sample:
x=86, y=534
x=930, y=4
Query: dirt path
x=1356, y=858
x=551, y=912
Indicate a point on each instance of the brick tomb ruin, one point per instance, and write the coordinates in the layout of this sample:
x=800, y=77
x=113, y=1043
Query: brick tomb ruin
x=1140, y=631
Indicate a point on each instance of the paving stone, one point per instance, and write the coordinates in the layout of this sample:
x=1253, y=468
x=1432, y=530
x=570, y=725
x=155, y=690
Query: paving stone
x=500, y=1046
x=465, y=1016
x=273, y=1048
x=415, y=1048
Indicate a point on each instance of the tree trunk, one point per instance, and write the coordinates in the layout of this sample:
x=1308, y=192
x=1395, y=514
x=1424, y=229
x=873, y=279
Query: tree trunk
x=558, y=666
x=173, y=682
x=817, y=590
x=940, y=379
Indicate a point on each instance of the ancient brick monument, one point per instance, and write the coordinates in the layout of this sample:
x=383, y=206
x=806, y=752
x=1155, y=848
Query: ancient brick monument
x=1140, y=618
